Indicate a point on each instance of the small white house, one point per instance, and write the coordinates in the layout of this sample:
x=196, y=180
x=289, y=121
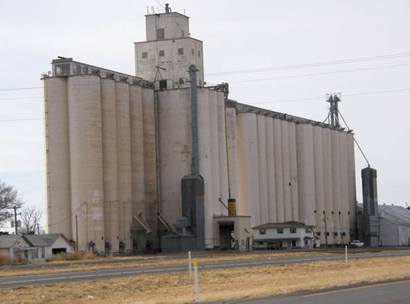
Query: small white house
x=285, y=235
x=15, y=247
x=50, y=244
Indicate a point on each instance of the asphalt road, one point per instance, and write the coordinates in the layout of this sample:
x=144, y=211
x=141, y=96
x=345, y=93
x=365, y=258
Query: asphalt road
x=384, y=293
x=17, y=281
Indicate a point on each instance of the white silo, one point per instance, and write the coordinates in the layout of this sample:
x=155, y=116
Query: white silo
x=271, y=172
x=319, y=178
x=86, y=156
x=137, y=151
x=232, y=146
x=279, y=181
x=294, y=196
x=58, y=156
x=110, y=161
x=124, y=161
x=223, y=166
x=328, y=185
x=262, y=165
x=306, y=173
x=287, y=184
x=214, y=156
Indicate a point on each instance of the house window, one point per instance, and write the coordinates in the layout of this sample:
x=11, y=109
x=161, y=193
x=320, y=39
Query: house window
x=262, y=231
x=293, y=230
x=181, y=51
x=160, y=34
x=144, y=54
x=161, y=53
x=280, y=230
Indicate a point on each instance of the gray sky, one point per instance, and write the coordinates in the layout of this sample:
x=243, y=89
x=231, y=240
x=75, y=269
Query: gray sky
x=237, y=35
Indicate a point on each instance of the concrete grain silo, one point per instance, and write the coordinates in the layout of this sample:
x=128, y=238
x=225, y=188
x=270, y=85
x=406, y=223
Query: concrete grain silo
x=86, y=160
x=293, y=172
x=57, y=156
x=262, y=172
x=110, y=162
x=279, y=181
x=271, y=172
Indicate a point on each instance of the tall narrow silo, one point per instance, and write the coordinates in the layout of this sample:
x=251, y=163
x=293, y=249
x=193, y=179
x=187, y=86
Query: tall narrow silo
x=137, y=151
x=351, y=181
x=271, y=172
x=279, y=180
x=58, y=157
x=262, y=165
x=110, y=161
x=319, y=178
x=223, y=166
x=287, y=183
x=329, y=200
x=306, y=173
x=214, y=156
x=248, y=167
x=150, y=173
x=232, y=146
x=345, y=203
x=205, y=162
x=294, y=196
x=175, y=152
x=86, y=156
x=336, y=182
x=124, y=162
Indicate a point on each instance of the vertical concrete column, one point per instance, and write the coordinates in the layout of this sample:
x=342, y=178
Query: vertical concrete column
x=294, y=196
x=262, y=165
x=306, y=173
x=223, y=166
x=271, y=173
x=58, y=157
x=232, y=146
x=328, y=179
x=336, y=182
x=319, y=181
x=248, y=167
x=124, y=161
x=150, y=175
x=345, y=206
x=137, y=153
x=287, y=182
x=213, y=123
x=351, y=180
x=110, y=162
x=86, y=159
x=279, y=180
x=205, y=162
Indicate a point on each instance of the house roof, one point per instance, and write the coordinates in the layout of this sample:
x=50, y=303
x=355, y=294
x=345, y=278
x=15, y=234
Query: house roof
x=36, y=240
x=7, y=241
x=288, y=224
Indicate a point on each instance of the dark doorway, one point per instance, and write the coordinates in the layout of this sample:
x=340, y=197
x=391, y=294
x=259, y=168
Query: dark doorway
x=226, y=240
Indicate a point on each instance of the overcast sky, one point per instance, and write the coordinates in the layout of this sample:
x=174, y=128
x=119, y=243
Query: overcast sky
x=237, y=35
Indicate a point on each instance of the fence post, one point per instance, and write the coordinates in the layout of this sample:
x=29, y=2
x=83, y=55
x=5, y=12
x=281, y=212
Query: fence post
x=190, y=264
x=346, y=258
x=196, y=280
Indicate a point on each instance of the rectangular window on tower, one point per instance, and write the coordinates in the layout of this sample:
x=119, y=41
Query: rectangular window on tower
x=144, y=54
x=181, y=51
x=160, y=34
x=161, y=53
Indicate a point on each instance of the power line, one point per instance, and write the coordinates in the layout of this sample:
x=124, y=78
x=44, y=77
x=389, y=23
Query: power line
x=315, y=64
x=321, y=73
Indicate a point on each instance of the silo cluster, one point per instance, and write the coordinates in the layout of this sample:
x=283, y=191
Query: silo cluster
x=100, y=144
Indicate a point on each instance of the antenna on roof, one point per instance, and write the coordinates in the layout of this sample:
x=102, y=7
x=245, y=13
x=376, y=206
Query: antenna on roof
x=167, y=8
x=152, y=9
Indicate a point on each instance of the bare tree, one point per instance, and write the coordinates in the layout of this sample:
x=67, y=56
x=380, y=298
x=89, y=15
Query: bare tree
x=8, y=200
x=30, y=220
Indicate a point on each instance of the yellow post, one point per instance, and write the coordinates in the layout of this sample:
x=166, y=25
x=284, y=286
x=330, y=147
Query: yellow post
x=196, y=279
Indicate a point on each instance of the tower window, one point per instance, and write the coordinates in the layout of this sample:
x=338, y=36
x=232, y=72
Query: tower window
x=199, y=53
x=193, y=51
x=181, y=51
x=161, y=53
x=160, y=34
x=144, y=54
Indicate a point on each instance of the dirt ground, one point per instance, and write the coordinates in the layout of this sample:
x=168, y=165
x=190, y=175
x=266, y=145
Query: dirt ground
x=216, y=285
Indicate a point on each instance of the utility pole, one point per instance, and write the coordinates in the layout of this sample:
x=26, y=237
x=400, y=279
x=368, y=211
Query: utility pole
x=15, y=220
x=76, y=232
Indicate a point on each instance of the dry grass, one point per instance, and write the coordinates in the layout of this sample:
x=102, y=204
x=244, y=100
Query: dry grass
x=62, y=264
x=216, y=285
x=72, y=256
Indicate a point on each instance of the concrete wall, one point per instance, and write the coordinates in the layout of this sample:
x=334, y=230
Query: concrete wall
x=175, y=25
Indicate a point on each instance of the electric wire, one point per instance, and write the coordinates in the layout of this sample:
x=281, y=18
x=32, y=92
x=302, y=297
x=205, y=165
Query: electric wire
x=315, y=64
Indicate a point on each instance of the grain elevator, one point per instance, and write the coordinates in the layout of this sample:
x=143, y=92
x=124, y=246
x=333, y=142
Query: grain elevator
x=155, y=160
